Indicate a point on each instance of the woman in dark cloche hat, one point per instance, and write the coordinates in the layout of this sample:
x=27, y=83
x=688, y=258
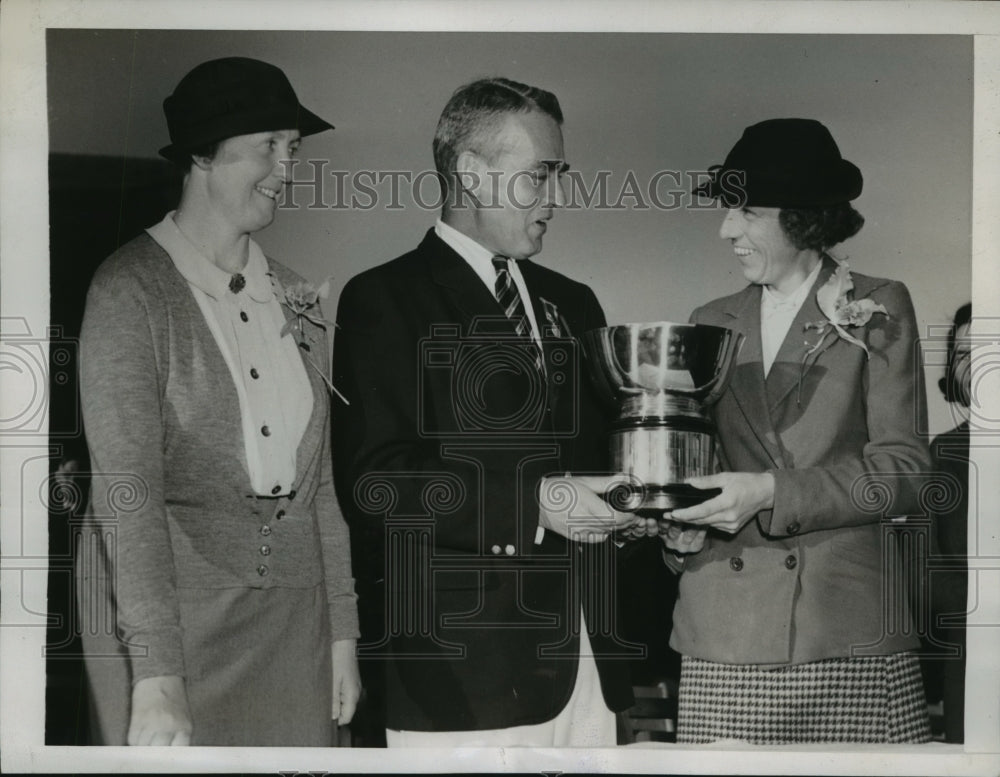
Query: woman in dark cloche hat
x=789, y=617
x=217, y=543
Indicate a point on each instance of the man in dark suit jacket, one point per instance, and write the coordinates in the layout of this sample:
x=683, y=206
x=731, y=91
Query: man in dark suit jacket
x=469, y=459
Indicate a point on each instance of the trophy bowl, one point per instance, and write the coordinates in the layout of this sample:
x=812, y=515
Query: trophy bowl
x=663, y=376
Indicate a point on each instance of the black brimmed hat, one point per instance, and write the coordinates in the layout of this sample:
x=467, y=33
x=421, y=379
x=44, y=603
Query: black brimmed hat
x=784, y=163
x=233, y=96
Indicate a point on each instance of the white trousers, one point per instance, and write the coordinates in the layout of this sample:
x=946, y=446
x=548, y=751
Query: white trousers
x=585, y=721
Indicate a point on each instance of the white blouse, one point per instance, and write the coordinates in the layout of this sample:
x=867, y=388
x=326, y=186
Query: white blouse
x=275, y=395
x=777, y=313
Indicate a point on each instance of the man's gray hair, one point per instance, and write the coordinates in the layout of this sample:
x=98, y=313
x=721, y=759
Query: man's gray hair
x=472, y=115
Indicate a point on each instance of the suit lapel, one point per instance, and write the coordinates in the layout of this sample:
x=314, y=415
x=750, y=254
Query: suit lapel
x=798, y=351
x=551, y=325
x=478, y=310
x=747, y=382
x=475, y=303
x=465, y=291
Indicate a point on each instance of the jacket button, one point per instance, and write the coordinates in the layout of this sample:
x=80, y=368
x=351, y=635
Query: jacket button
x=262, y=570
x=509, y=550
x=265, y=550
x=496, y=550
x=243, y=316
x=736, y=563
x=253, y=373
x=264, y=430
x=793, y=527
x=280, y=514
x=265, y=530
x=791, y=561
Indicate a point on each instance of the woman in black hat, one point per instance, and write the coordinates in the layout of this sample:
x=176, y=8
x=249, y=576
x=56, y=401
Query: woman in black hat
x=217, y=539
x=788, y=619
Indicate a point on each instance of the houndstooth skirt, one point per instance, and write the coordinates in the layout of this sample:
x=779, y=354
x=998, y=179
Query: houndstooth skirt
x=865, y=699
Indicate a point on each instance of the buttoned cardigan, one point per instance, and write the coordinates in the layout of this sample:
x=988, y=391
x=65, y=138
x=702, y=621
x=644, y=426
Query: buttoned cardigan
x=170, y=486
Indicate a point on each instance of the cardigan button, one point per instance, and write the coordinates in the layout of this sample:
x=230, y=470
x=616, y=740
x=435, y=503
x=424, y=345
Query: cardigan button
x=276, y=490
x=243, y=316
x=736, y=563
x=280, y=514
x=265, y=550
x=253, y=373
x=793, y=527
x=265, y=430
x=262, y=570
x=791, y=562
x=265, y=530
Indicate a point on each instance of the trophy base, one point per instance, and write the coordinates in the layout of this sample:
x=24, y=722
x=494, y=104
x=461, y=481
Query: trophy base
x=652, y=500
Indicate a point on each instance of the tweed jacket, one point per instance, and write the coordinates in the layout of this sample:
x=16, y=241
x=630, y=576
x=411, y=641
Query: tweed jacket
x=439, y=459
x=170, y=481
x=813, y=577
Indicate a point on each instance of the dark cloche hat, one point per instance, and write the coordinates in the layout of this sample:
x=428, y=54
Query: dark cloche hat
x=233, y=96
x=787, y=163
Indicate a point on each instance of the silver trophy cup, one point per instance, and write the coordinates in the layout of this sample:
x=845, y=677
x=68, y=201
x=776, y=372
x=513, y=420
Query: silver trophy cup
x=663, y=376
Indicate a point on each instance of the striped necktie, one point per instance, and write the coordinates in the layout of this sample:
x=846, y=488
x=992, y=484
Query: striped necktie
x=512, y=304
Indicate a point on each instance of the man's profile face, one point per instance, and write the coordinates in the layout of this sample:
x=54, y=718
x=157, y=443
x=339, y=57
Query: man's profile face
x=521, y=184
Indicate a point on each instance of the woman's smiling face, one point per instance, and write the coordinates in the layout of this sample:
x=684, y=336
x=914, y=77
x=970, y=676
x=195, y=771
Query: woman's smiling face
x=765, y=254
x=247, y=175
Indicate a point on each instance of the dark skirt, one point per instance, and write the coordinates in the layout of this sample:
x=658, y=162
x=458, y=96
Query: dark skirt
x=876, y=699
x=258, y=667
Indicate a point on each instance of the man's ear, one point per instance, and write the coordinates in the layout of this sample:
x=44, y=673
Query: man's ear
x=470, y=172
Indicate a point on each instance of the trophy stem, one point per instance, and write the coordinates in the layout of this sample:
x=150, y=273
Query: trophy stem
x=659, y=404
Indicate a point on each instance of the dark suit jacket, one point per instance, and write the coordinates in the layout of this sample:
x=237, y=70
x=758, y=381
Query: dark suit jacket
x=812, y=578
x=949, y=587
x=438, y=461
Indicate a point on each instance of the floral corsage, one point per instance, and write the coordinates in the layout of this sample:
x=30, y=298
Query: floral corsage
x=303, y=299
x=841, y=311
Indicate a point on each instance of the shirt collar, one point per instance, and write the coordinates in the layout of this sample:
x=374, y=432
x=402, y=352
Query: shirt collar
x=772, y=300
x=202, y=273
x=479, y=258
